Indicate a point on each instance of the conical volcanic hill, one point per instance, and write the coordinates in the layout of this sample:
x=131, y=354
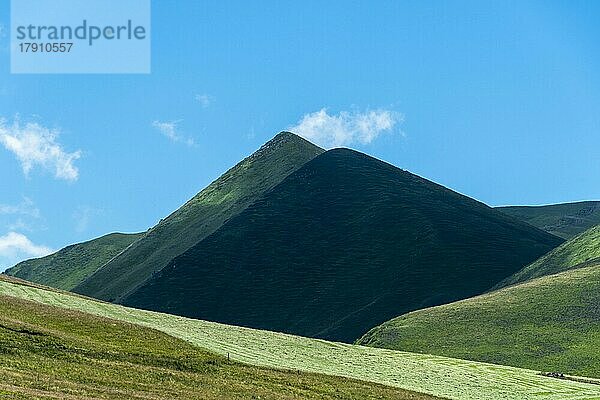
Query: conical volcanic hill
x=199, y=217
x=341, y=245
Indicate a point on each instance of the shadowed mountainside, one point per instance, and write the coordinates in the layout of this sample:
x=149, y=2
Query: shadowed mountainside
x=200, y=216
x=340, y=246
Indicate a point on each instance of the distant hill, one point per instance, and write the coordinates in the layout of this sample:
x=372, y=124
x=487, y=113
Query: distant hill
x=550, y=324
x=572, y=254
x=565, y=220
x=199, y=217
x=68, y=267
x=339, y=246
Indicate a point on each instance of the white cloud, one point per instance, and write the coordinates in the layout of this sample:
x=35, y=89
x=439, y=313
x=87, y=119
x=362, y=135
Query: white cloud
x=35, y=145
x=26, y=207
x=205, y=100
x=169, y=129
x=15, y=247
x=345, y=128
x=24, y=216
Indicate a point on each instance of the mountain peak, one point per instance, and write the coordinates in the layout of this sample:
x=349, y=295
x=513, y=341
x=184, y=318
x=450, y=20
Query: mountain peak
x=340, y=245
x=227, y=196
x=289, y=140
x=286, y=136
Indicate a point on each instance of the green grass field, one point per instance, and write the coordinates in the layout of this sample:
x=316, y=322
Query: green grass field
x=575, y=253
x=564, y=220
x=440, y=376
x=550, y=323
x=53, y=352
x=68, y=267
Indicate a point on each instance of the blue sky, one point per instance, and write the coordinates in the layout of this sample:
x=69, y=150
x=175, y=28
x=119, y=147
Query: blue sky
x=497, y=100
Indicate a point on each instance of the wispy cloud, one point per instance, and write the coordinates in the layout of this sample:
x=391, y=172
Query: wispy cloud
x=26, y=207
x=15, y=247
x=345, y=128
x=36, y=146
x=205, y=100
x=24, y=216
x=170, y=130
x=19, y=225
x=83, y=216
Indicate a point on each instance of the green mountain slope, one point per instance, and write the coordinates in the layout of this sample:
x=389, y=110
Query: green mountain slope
x=564, y=220
x=550, y=323
x=68, y=267
x=572, y=254
x=340, y=246
x=52, y=352
x=144, y=355
x=199, y=217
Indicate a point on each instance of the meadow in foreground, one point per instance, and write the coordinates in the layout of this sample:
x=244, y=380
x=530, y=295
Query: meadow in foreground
x=435, y=375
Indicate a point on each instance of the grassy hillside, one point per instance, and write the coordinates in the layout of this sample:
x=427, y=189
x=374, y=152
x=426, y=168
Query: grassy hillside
x=199, y=217
x=52, y=352
x=550, y=323
x=340, y=246
x=572, y=254
x=449, y=378
x=564, y=220
x=68, y=267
